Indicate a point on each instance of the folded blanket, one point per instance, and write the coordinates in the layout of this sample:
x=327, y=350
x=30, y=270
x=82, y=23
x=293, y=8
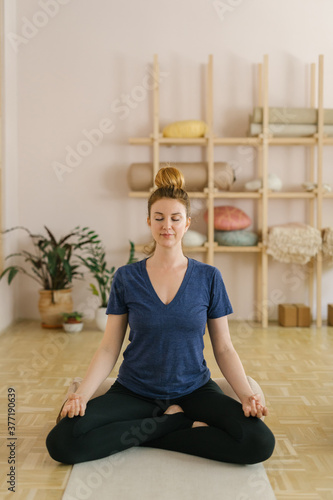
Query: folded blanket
x=290, y=130
x=292, y=115
x=293, y=242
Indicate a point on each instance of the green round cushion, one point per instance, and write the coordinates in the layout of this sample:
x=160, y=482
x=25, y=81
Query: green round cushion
x=240, y=238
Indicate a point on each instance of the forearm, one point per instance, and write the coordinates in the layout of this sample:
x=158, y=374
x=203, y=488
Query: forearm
x=233, y=370
x=99, y=369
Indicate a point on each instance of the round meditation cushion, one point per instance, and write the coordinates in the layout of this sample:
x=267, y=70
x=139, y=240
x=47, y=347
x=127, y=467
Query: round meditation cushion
x=239, y=238
x=227, y=218
x=185, y=129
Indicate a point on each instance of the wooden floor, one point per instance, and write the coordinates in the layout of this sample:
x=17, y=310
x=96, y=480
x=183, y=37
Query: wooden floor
x=293, y=366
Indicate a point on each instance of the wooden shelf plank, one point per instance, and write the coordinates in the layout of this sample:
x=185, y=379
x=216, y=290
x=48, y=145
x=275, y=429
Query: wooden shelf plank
x=218, y=249
x=202, y=249
x=231, y=141
x=292, y=195
x=146, y=194
x=237, y=194
x=292, y=141
x=173, y=141
x=223, y=249
x=235, y=141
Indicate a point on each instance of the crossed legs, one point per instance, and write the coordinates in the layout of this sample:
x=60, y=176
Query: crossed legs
x=121, y=419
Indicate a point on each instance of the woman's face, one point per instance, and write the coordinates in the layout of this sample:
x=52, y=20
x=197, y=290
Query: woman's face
x=168, y=222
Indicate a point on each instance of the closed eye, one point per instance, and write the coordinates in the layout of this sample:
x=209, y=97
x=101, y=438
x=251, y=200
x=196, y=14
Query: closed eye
x=174, y=220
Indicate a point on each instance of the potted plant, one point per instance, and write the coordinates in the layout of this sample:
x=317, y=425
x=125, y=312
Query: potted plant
x=53, y=266
x=96, y=262
x=72, y=321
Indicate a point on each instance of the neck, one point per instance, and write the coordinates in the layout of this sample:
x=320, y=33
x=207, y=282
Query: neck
x=168, y=258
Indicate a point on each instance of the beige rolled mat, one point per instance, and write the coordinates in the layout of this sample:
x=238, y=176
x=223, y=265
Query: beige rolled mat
x=140, y=175
x=292, y=115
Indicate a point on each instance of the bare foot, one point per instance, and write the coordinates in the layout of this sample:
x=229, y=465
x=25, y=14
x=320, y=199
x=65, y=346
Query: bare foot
x=173, y=409
x=199, y=424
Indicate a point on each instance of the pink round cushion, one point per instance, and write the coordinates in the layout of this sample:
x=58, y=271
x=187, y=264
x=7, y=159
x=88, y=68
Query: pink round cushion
x=228, y=218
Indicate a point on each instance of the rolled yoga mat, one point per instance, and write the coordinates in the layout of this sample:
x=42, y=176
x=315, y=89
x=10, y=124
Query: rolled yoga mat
x=307, y=116
x=140, y=175
x=290, y=130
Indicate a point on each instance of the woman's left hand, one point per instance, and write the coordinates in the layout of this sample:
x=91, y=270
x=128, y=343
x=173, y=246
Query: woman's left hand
x=252, y=406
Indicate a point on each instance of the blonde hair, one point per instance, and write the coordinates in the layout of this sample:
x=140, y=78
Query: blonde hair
x=170, y=183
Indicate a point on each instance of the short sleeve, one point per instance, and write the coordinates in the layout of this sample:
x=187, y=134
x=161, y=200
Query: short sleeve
x=116, y=303
x=219, y=304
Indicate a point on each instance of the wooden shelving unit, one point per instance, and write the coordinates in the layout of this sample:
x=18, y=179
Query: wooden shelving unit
x=262, y=143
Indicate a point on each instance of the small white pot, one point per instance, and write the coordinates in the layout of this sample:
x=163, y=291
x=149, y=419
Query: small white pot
x=72, y=327
x=101, y=318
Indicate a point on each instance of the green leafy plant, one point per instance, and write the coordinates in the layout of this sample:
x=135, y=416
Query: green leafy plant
x=52, y=263
x=72, y=317
x=96, y=262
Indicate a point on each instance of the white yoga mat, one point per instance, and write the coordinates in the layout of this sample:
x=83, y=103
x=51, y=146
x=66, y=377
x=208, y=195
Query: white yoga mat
x=152, y=474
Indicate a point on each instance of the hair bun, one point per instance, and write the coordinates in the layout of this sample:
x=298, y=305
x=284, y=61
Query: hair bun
x=168, y=177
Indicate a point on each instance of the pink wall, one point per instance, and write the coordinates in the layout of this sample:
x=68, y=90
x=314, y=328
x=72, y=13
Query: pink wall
x=77, y=60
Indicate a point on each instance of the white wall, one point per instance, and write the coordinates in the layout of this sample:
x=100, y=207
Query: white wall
x=9, y=303
x=77, y=59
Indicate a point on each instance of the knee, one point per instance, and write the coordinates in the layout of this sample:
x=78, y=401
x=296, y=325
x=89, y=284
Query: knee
x=261, y=445
x=57, y=447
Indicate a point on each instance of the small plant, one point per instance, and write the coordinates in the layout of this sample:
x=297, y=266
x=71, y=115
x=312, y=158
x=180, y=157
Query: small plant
x=96, y=263
x=72, y=317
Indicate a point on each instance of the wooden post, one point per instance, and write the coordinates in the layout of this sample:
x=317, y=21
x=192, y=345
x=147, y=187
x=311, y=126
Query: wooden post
x=320, y=179
x=265, y=140
x=312, y=179
x=156, y=117
x=210, y=160
x=259, y=295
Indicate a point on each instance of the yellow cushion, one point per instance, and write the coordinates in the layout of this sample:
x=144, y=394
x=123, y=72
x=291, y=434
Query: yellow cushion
x=185, y=129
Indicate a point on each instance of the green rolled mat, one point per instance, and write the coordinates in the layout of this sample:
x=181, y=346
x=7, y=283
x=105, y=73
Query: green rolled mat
x=290, y=130
x=307, y=116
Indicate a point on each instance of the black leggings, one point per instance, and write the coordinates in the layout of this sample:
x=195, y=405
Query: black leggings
x=121, y=419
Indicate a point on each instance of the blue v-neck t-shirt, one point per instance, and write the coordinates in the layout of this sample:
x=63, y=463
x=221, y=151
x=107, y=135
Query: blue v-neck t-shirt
x=164, y=358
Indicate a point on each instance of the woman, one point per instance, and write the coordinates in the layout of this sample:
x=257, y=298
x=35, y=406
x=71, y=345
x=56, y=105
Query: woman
x=164, y=396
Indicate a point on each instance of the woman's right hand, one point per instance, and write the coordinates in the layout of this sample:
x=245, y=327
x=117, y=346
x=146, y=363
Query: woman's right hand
x=74, y=406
